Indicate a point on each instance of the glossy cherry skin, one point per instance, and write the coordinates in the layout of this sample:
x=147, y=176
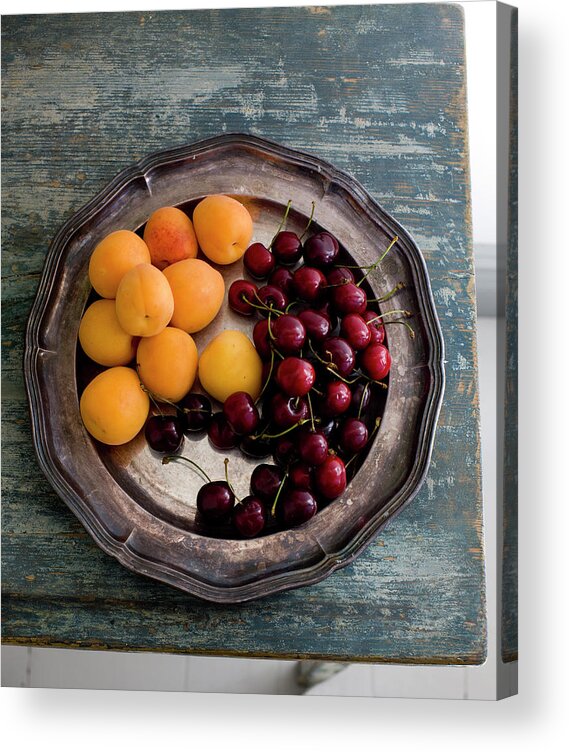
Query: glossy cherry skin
x=330, y=477
x=285, y=451
x=321, y=250
x=220, y=433
x=376, y=328
x=316, y=324
x=261, y=339
x=164, y=433
x=297, y=506
x=300, y=476
x=272, y=298
x=287, y=248
x=196, y=411
x=339, y=353
x=337, y=398
x=361, y=395
x=349, y=298
x=340, y=275
x=265, y=482
x=355, y=331
x=283, y=279
x=215, y=501
x=249, y=517
x=353, y=435
x=287, y=411
x=289, y=334
x=241, y=413
x=295, y=376
x=259, y=261
x=240, y=296
x=376, y=361
x=309, y=284
x=312, y=446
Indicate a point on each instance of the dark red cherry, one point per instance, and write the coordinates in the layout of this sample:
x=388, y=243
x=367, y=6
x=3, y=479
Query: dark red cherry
x=261, y=339
x=361, y=394
x=215, y=501
x=241, y=413
x=340, y=275
x=349, y=298
x=285, y=451
x=316, y=323
x=240, y=296
x=265, y=482
x=256, y=446
x=321, y=250
x=196, y=411
x=287, y=411
x=300, y=476
x=338, y=352
x=295, y=376
x=287, y=248
x=283, y=279
x=376, y=328
x=297, y=506
x=337, y=398
x=376, y=361
x=353, y=435
x=309, y=283
x=330, y=477
x=355, y=331
x=272, y=298
x=312, y=446
x=164, y=433
x=258, y=261
x=289, y=334
x=220, y=433
x=249, y=517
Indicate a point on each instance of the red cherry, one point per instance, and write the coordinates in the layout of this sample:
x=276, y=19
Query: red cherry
x=376, y=361
x=273, y=298
x=309, y=283
x=289, y=334
x=249, y=517
x=261, y=339
x=265, y=481
x=164, y=433
x=241, y=413
x=349, y=298
x=316, y=323
x=287, y=411
x=375, y=325
x=220, y=433
x=283, y=279
x=340, y=275
x=287, y=248
x=241, y=294
x=353, y=435
x=215, y=501
x=297, y=506
x=321, y=250
x=338, y=352
x=258, y=261
x=300, y=476
x=330, y=477
x=295, y=376
x=355, y=331
x=337, y=398
x=312, y=447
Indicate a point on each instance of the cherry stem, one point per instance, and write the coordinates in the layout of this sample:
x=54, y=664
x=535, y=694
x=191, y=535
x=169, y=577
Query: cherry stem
x=267, y=380
x=283, y=221
x=274, y=507
x=226, y=463
x=282, y=433
x=405, y=324
x=261, y=307
x=370, y=437
x=391, y=293
x=332, y=369
x=310, y=410
x=269, y=330
x=309, y=221
x=176, y=458
x=380, y=259
x=407, y=314
x=366, y=387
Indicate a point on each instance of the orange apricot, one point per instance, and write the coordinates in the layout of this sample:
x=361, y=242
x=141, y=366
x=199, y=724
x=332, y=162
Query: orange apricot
x=114, y=406
x=230, y=363
x=167, y=363
x=223, y=227
x=170, y=237
x=102, y=337
x=198, y=291
x=113, y=257
x=144, y=301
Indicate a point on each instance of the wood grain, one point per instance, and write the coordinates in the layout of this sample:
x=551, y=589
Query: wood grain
x=380, y=92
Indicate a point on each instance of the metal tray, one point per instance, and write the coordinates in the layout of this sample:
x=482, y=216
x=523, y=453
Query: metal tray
x=144, y=513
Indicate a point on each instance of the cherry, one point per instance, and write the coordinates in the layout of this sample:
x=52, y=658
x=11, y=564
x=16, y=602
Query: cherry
x=220, y=433
x=242, y=297
x=295, y=376
x=256, y=446
x=361, y=394
x=241, y=413
x=340, y=275
x=330, y=477
x=337, y=398
x=215, y=500
x=249, y=517
x=164, y=433
x=289, y=334
x=328, y=427
x=196, y=411
x=283, y=279
x=285, y=451
x=327, y=309
x=287, y=248
x=376, y=361
x=258, y=261
x=312, y=446
x=287, y=411
x=353, y=435
x=349, y=298
x=338, y=352
x=316, y=323
x=265, y=482
x=261, y=339
x=309, y=283
x=321, y=250
x=297, y=506
x=355, y=331
x=376, y=328
x=272, y=298
x=300, y=476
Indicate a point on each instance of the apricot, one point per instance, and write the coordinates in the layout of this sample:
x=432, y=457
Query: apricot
x=198, y=291
x=223, y=227
x=168, y=363
x=113, y=257
x=144, y=303
x=170, y=237
x=114, y=406
x=230, y=363
x=102, y=337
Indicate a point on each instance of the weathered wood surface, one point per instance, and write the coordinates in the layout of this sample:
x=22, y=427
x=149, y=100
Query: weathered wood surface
x=380, y=92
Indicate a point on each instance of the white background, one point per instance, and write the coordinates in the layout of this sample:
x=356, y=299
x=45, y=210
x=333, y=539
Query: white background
x=97, y=720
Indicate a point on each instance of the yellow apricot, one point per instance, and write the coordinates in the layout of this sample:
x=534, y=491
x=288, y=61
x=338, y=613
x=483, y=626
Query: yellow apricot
x=223, y=227
x=168, y=363
x=230, y=363
x=170, y=237
x=198, y=291
x=102, y=337
x=113, y=406
x=144, y=301
x=113, y=257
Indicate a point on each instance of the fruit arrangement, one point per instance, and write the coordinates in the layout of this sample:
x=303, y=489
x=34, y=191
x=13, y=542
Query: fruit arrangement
x=304, y=397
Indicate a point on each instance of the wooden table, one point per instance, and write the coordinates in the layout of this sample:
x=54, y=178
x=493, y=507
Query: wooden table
x=380, y=92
